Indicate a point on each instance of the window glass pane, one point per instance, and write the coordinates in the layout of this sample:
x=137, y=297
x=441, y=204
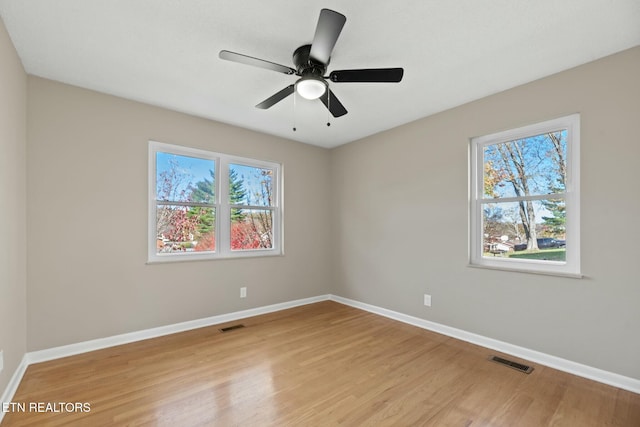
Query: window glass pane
x=528, y=229
x=185, y=229
x=250, y=185
x=251, y=229
x=531, y=166
x=184, y=179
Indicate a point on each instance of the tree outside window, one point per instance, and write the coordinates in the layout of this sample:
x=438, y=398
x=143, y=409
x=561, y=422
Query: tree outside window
x=522, y=197
x=189, y=216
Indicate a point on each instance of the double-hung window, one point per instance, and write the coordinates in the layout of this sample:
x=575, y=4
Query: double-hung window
x=206, y=205
x=524, y=198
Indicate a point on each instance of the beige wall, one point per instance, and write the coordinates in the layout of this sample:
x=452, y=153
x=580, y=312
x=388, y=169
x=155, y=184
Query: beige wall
x=13, y=273
x=87, y=215
x=400, y=222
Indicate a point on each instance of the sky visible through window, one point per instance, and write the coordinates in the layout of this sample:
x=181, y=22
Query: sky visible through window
x=185, y=172
x=539, y=158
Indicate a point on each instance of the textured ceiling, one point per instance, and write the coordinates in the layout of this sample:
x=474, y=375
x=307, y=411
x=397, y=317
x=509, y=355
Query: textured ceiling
x=165, y=53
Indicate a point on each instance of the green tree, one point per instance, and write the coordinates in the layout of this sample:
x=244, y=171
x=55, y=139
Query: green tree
x=556, y=223
x=237, y=194
x=203, y=192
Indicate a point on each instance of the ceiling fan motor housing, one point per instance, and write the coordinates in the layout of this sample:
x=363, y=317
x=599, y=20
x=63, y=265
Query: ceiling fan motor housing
x=305, y=65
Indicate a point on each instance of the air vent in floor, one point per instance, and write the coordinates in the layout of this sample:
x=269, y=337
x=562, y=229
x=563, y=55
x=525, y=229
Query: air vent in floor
x=511, y=364
x=231, y=328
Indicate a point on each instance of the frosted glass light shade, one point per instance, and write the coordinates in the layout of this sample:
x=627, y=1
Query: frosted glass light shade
x=311, y=88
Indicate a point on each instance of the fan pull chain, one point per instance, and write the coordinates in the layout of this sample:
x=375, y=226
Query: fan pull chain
x=328, y=106
x=294, y=108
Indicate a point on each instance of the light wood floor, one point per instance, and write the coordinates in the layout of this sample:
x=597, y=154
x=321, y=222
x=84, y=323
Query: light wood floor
x=322, y=364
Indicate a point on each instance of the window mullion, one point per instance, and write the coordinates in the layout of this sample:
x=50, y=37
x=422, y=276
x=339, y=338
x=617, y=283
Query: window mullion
x=224, y=219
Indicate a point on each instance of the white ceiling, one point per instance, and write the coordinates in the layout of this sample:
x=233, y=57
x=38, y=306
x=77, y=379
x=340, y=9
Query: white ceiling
x=165, y=53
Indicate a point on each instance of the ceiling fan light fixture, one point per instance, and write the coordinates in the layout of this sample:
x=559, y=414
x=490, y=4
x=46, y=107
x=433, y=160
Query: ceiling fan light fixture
x=311, y=62
x=311, y=87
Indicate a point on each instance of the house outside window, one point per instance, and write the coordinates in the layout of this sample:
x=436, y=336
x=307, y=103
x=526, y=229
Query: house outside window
x=524, y=198
x=206, y=205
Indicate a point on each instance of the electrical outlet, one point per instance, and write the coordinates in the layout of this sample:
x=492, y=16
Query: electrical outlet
x=427, y=300
x=243, y=292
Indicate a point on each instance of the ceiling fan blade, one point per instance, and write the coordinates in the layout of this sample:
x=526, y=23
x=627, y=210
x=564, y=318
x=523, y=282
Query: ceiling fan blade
x=371, y=75
x=249, y=60
x=328, y=29
x=274, y=99
x=334, y=105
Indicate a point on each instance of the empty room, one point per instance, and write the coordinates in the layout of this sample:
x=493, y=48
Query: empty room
x=281, y=213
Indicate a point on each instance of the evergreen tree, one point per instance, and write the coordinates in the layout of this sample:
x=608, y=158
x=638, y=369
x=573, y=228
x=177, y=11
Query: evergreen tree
x=203, y=192
x=556, y=224
x=237, y=195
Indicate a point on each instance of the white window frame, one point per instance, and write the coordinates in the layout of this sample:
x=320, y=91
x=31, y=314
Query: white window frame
x=222, y=206
x=571, y=266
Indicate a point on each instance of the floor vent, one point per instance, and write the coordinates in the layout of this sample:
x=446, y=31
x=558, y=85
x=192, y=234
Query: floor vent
x=231, y=328
x=511, y=364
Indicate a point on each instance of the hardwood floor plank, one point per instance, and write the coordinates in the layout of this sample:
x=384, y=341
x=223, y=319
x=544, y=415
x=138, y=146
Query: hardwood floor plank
x=323, y=364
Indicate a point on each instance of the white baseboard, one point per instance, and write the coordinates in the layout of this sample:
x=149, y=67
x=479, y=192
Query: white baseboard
x=616, y=380
x=606, y=377
x=14, y=382
x=100, y=343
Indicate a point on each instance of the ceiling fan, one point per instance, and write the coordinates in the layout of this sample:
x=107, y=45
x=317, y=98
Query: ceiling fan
x=311, y=61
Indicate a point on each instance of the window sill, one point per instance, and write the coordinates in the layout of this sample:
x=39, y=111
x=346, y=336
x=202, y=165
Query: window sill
x=179, y=259
x=522, y=270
